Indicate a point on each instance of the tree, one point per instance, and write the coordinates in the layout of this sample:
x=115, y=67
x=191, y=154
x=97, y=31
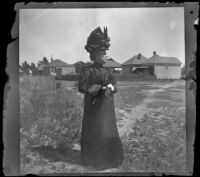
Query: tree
x=79, y=65
x=33, y=68
x=44, y=61
x=26, y=67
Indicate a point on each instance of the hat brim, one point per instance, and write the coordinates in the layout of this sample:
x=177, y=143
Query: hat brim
x=91, y=48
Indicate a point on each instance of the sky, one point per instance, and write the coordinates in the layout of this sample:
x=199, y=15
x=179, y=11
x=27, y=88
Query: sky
x=62, y=33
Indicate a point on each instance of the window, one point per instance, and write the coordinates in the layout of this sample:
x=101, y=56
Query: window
x=52, y=70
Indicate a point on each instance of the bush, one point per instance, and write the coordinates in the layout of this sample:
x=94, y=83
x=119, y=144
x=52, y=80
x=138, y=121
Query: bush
x=50, y=118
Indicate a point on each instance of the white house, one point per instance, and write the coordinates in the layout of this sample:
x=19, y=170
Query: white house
x=59, y=68
x=164, y=67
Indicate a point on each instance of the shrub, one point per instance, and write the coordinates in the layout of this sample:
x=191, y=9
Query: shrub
x=50, y=118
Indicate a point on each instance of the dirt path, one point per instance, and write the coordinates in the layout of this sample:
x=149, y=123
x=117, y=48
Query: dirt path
x=138, y=112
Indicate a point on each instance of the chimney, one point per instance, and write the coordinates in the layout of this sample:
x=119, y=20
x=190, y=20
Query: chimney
x=51, y=58
x=154, y=52
x=139, y=56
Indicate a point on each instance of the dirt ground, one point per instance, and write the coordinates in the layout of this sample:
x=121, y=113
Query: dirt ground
x=151, y=122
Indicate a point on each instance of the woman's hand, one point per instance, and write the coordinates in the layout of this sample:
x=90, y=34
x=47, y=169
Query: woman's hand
x=109, y=86
x=109, y=89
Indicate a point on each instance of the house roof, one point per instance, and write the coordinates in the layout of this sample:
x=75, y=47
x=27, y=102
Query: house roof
x=135, y=60
x=159, y=60
x=41, y=66
x=59, y=63
x=112, y=63
x=20, y=70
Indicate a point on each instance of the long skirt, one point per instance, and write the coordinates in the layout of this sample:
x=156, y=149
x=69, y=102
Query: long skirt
x=100, y=143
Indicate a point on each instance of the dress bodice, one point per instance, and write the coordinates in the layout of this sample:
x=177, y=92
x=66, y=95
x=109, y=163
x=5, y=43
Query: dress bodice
x=96, y=74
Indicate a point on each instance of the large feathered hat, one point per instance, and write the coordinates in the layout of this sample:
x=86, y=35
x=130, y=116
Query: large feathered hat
x=98, y=40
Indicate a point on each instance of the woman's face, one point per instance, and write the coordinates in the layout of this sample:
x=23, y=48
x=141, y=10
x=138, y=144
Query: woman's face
x=99, y=56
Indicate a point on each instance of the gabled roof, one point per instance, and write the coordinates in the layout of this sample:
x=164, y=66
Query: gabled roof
x=112, y=63
x=41, y=66
x=20, y=70
x=135, y=60
x=59, y=63
x=159, y=60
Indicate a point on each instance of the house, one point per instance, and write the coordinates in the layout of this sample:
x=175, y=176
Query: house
x=21, y=72
x=113, y=65
x=58, y=68
x=41, y=69
x=134, y=64
x=79, y=65
x=164, y=67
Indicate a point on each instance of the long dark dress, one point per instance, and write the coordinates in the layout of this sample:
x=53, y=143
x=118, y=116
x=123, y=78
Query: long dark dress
x=100, y=143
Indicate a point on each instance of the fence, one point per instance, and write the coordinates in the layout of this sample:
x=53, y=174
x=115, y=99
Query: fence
x=133, y=77
x=70, y=77
x=38, y=82
x=118, y=77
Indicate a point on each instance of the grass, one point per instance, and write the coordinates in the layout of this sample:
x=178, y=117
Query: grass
x=157, y=143
x=131, y=96
x=158, y=140
x=48, y=119
x=50, y=123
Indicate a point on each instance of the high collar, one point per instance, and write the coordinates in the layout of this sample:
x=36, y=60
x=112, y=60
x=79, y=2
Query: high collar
x=99, y=65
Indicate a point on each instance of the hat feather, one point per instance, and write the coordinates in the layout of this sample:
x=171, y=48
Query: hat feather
x=105, y=32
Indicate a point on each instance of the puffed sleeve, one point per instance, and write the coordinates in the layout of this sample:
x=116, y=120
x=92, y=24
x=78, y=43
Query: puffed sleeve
x=85, y=83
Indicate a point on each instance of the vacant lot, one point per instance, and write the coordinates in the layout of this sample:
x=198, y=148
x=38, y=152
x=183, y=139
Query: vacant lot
x=150, y=118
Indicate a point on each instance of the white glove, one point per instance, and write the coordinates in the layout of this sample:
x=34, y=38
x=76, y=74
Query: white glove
x=104, y=88
x=110, y=86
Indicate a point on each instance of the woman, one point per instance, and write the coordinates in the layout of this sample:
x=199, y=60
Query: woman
x=100, y=143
